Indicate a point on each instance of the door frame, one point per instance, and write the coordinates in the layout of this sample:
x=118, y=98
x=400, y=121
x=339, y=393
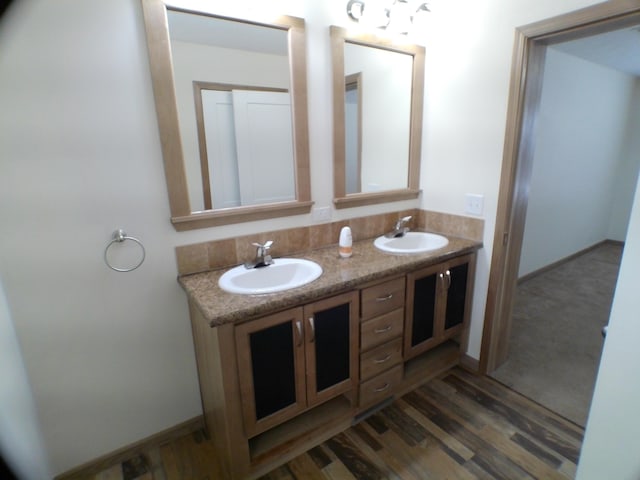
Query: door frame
x=527, y=74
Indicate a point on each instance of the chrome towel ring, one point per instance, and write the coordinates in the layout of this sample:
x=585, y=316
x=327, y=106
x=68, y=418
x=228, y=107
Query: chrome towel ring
x=120, y=236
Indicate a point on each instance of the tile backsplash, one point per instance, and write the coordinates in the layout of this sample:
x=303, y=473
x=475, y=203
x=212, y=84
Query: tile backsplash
x=229, y=252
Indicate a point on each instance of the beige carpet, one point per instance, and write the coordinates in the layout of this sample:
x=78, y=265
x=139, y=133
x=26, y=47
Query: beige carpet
x=555, y=339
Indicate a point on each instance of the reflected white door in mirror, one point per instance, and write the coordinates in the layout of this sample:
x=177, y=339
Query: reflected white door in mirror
x=246, y=146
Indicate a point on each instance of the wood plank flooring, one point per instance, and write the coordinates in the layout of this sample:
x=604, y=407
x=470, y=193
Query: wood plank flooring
x=458, y=426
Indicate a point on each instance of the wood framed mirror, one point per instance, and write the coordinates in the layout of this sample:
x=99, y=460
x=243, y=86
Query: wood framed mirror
x=378, y=94
x=197, y=57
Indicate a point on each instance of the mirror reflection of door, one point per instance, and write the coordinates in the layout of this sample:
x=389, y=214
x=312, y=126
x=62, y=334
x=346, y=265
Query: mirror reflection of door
x=255, y=57
x=246, y=146
x=353, y=132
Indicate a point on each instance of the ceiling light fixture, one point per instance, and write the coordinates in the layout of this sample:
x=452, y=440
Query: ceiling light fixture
x=395, y=15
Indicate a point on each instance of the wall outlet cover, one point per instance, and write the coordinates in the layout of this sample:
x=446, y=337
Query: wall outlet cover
x=473, y=203
x=321, y=214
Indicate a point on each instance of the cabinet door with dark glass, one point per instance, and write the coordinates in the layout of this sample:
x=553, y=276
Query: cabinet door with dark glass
x=271, y=371
x=438, y=303
x=457, y=281
x=422, y=310
x=331, y=334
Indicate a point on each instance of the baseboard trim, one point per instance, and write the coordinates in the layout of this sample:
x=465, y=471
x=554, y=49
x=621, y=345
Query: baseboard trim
x=469, y=363
x=120, y=455
x=573, y=256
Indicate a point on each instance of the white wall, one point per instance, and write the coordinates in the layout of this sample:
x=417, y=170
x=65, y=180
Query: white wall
x=609, y=447
x=21, y=443
x=627, y=169
x=386, y=113
x=110, y=355
x=582, y=145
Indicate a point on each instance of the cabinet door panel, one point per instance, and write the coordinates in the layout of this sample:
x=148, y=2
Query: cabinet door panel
x=424, y=309
x=271, y=369
x=332, y=346
x=456, y=296
x=331, y=353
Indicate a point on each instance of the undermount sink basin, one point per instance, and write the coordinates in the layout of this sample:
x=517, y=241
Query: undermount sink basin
x=283, y=274
x=411, y=242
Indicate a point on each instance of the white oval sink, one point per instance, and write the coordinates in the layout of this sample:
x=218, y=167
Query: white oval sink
x=283, y=274
x=411, y=242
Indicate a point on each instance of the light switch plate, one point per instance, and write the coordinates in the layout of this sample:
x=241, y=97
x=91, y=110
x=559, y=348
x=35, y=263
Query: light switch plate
x=473, y=203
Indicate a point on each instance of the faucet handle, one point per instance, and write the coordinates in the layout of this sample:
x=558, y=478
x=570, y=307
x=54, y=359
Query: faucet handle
x=266, y=245
x=263, y=248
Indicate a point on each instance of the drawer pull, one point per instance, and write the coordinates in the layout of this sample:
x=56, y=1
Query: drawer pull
x=382, y=388
x=382, y=360
x=383, y=330
x=385, y=298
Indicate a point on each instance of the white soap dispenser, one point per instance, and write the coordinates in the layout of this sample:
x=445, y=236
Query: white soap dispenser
x=345, y=242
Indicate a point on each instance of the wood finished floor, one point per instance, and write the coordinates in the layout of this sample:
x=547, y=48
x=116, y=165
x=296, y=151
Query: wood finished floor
x=458, y=426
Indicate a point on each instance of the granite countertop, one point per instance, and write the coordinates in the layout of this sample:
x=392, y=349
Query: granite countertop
x=339, y=275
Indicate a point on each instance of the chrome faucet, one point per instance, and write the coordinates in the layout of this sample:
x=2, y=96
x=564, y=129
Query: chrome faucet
x=263, y=258
x=400, y=229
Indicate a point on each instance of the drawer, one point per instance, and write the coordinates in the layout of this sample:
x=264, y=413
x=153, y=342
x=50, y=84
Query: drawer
x=381, y=329
x=380, y=387
x=380, y=359
x=382, y=298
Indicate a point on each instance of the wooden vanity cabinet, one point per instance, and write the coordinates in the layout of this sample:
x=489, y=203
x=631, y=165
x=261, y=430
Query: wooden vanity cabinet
x=276, y=386
x=438, y=304
x=293, y=360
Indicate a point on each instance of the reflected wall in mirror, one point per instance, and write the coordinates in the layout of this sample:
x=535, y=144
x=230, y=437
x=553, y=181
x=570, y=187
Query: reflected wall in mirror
x=378, y=91
x=231, y=104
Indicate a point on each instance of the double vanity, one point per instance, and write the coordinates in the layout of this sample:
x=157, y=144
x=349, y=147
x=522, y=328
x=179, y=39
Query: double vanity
x=282, y=372
x=292, y=353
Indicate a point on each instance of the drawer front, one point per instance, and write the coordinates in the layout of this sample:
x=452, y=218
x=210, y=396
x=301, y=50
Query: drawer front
x=380, y=359
x=380, y=387
x=381, y=329
x=382, y=298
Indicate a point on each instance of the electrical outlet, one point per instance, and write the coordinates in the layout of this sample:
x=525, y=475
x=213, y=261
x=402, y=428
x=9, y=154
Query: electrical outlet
x=473, y=203
x=321, y=214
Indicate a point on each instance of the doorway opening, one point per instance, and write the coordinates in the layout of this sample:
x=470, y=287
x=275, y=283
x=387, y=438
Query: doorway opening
x=528, y=71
